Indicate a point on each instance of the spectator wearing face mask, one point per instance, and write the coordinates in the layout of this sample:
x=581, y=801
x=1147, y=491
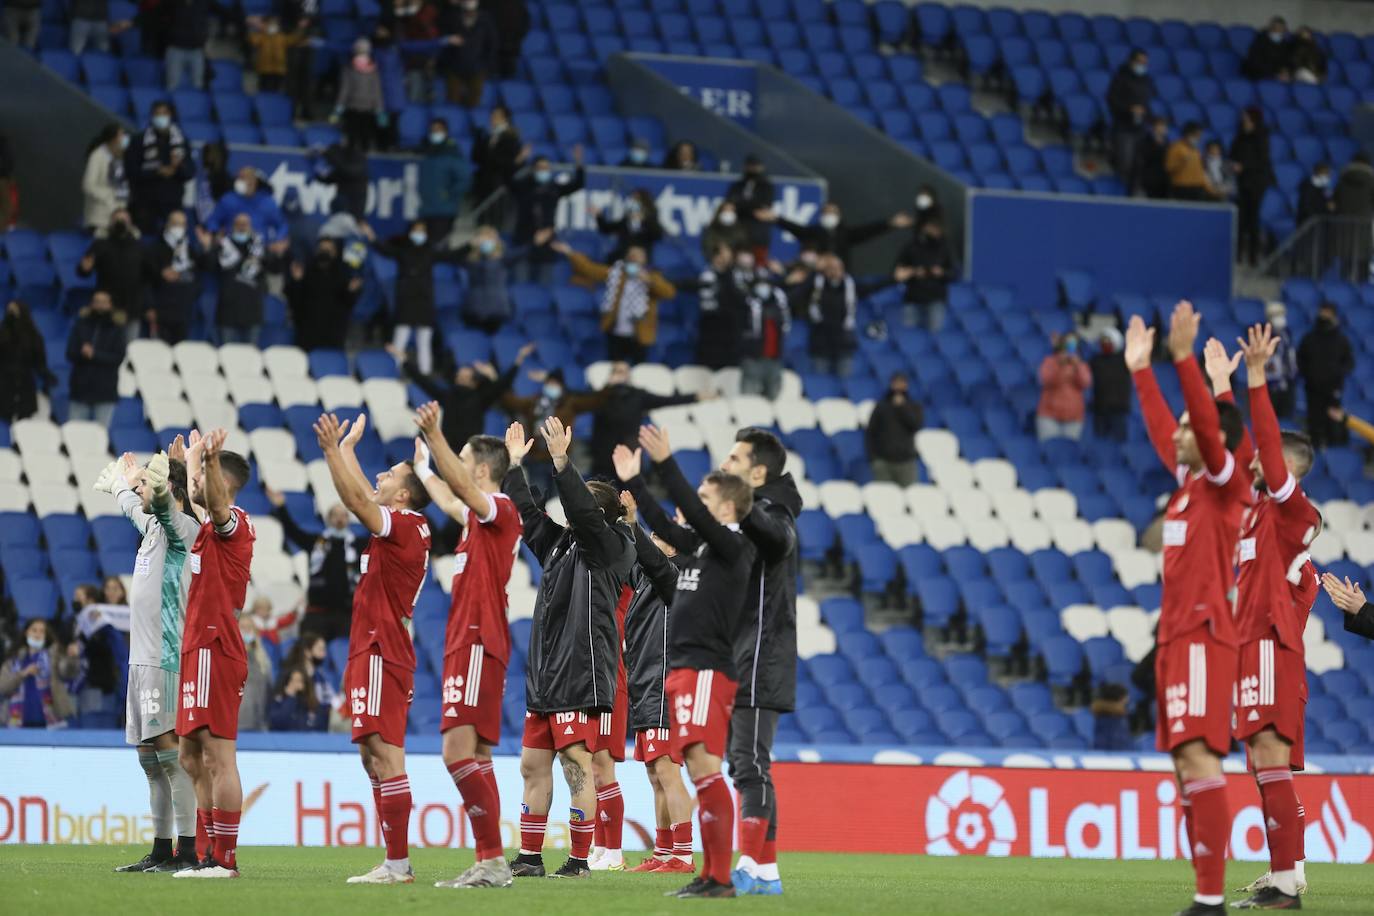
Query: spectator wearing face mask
x=552, y=400
x=95, y=348
x=1314, y=194
x=725, y=229
x=1353, y=198
x=488, y=266
x=831, y=301
x=637, y=225
x=1064, y=377
x=1271, y=53
x=495, y=154
x=1220, y=175
x=475, y=389
x=1149, y=175
x=158, y=165
x=415, y=256
x=1307, y=60
x=172, y=264
x=243, y=261
x=117, y=263
x=1281, y=371
x=1128, y=100
x=32, y=680
x=1325, y=358
x=1254, y=175
x=104, y=184
x=251, y=196
x=629, y=302
x=296, y=708
x=928, y=207
x=359, y=104
x=765, y=323
x=721, y=290
x=536, y=192
x=682, y=157
x=1183, y=164
x=621, y=413
x=470, y=52
x=311, y=655
x=321, y=294
x=188, y=28
x=753, y=195
x=927, y=267
x=637, y=156
x=257, y=686
x=890, y=437
x=23, y=363
x=831, y=234
x=270, y=49
x=444, y=179
x=1111, y=384
x=334, y=572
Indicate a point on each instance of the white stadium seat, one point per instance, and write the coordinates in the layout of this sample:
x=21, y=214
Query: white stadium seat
x=1327, y=548
x=205, y=387
x=1341, y=515
x=883, y=498
x=163, y=384
x=1359, y=546
x=936, y=444
x=54, y=498
x=994, y=475
x=11, y=468
x=127, y=386
x=215, y=415
x=272, y=444
x=841, y=497
x=51, y=468
x=654, y=378
x=1083, y=621
x=322, y=485
x=1072, y=535
x=85, y=436
x=249, y=389
x=94, y=504
x=243, y=360
x=713, y=415
x=597, y=374
x=1136, y=567
x=86, y=468
x=926, y=501
x=269, y=532
x=284, y=362
x=195, y=356
x=443, y=567
x=268, y=566
x=1134, y=629
x=986, y=534
x=810, y=493
x=835, y=415
x=791, y=387
x=287, y=475
x=169, y=413
x=813, y=642
x=864, y=410
x=1013, y=506
x=899, y=530
x=727, y=381
x=752, y=410
x=1053, y=504
x=41, y=437
x=148, y=354
x=14, y=496
x=953, y=476
x=970, y=505
x=295, y=391
x=1325, y=657
x=338, y=391
x=794, y=414
x=1030, y=535
x=808, y=612
x=796, y=466
x=943, y=533
x=693, y=379
x=1113, y=534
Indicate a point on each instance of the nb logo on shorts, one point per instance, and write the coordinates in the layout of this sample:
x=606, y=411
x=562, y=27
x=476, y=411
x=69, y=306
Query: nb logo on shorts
x=689, y=580
x=563, y=718
x=358, y=697
x=188, y=695
x=150, y=702
x=453, y=689
x=1249, y=690
x=1176, y=700
x=683, y=708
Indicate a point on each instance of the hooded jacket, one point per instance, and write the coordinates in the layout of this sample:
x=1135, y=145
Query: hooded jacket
x=96, y=380
x=654, y=582
x=574, y=641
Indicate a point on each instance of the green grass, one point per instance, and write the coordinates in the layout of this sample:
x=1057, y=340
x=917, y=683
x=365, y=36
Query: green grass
x=78, y=879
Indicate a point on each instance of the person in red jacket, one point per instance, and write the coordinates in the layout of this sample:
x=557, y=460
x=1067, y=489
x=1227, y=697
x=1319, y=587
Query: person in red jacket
x=1063, y=379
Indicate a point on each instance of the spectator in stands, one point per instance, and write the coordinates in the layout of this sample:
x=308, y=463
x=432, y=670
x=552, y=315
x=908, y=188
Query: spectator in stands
x=444, y=179
x=629, y=303
x=257, y=686
x=23, y=363
x=116, y=260
x=512, y=21
x=1219, y=172
x=344, y=165
x=831, y=301
x=496, y=152
x=1354, y=200
x=91, y=25
x=333, y=555
x=927, y=267
x=391, y=72
x=637, y=156
x=1150, y=175
x=475, y=389
x=553, y=400
x=303, y=229
x=114, y=592
x=172, y=265
x=1308, y=60
x=724, y=229
x=158, y=165
x=1183, y=164
x=359, y=103
x=830, y=233
x=890, y=437
x=928, y=207
x=95, y=349
x=1111, y=384
x=296, y=708
x=637, y=225
x=243, y=260
x=1064, y=377
x=214, y=180
x=470, y=53
x=1128, y=100
x=1270, y=54
x=624, y=409
x=299, y=15
x=1111, y=729
x=415, y=257
x=23, y=19
x=682, y=157
x=1314, y=194
x=753, y=196
x=270, y=49
x=536, y=192
x=412, y=22
x=1324, y=360
x=487, y=264
x=1254, y=175
x=271, y=624
x=1281, y=372
x=32, y=680
x=104, y=185
x=763, y=323
x=188, y=28
x=253, y=196
x=310, y=654
x=721, y=292
x=321, y=294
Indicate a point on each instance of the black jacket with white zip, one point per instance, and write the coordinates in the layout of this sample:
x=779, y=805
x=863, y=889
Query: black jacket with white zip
x=574, y=642
x=646, y=634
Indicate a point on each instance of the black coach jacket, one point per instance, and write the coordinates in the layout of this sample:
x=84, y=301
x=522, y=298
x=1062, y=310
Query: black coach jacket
x=573, y=654
x=646, y=634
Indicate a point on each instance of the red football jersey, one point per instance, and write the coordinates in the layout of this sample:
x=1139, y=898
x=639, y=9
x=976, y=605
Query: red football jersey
x=1277, y=583
x=485, y=555
x=1200, y=528
x=220, y=561
x=393, y=572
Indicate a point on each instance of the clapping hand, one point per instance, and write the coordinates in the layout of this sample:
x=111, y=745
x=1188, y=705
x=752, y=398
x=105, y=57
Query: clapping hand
x=517, y=446
x=627, y=463
x=558, y=437
x=1140, y=343
x=1220, y=367
x=655, y=441
x=1183, y=327
x=427, y=417
x=1347, y=595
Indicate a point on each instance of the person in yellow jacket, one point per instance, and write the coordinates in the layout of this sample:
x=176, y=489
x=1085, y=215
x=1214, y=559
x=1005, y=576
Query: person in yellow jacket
x=629, y=304
x=1183, y=162
x=270, y=45
x=1361, y=428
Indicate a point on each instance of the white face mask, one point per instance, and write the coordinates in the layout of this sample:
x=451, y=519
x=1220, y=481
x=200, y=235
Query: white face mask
x=923, y=201
x=241, y=187
x=34, y=644
x=830, y=220
x=176, y=233
x=727, y=217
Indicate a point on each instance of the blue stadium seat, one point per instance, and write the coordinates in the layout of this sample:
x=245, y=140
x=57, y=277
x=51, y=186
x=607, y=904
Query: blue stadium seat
x=923, y=673
x=34, y=598
x=1063, y=659
x=902, y=643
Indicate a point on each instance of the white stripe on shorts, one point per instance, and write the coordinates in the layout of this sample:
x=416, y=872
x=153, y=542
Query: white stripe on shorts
x=1197, y=679
x=474, y=682
x=203, y=678
x=702, y=702
x=374, y=685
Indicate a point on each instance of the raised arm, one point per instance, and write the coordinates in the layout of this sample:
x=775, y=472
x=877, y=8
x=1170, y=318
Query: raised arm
x=1159, y=420
x=720, y=538
x=660, y=570
x=1258, y=349
x=352, y=490
x=1220, y=368
x=216, y=492
x=627, y=465
x=456, y=476
x=439, y=492
x=585, y=518
x=541, y=532
x=120, y=478
x=156, y=476
x=1201, y=406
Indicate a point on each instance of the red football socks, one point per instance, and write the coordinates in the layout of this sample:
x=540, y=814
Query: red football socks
x=532, y=828
x=1280, y=804
x=663, y=842
x=377, y=801
x=581, y=835
x=483, y=809
x=717, y=815
x=682, y=840
x=205, y=833
x=1212, y=817
x=395, y=814
x=1187, y=807
x=226, y=826
x=752, y=832
x=769, y=854
x=610, y=815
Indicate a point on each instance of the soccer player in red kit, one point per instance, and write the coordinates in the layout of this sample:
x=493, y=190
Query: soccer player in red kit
x=379, y=680
x=608, y=749
x=214, y=665
x=477, y=642
x=1275, y=590
x=1195, y=662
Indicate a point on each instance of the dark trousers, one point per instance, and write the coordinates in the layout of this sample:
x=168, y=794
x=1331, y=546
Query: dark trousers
x=1321, y=428
x=628, y=349
x=271, y=82
x=300, y=81
x=1110, y=426
x=361, y=128
x=1284, y=400
x=1249, y=234
x=750, y=756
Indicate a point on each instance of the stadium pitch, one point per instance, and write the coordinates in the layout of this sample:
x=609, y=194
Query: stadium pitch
x=78, y=879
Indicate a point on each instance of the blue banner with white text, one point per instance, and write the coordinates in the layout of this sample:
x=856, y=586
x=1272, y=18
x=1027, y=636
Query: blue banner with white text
x=726, y=88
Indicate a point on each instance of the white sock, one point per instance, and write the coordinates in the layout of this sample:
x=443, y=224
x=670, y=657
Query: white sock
x=1287, y=881
x=399, y=866
x=1300, y=867
x=768, y=872
x=747, y=865
x=596, y=853
x=612, y=856
x=1210, y=899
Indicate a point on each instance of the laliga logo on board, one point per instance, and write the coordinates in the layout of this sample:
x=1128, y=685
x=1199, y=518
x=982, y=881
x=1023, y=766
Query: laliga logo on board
x=969, y=816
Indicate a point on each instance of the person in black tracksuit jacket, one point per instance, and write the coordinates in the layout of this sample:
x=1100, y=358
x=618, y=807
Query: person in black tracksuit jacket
x=709, y=611
x=574, y=641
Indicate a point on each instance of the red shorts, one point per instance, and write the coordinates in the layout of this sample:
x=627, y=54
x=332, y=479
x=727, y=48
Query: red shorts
x=473, y=690
x=558, y=730
x=379, y=695
x=1270, y=693
x=610, y=732
x=211, y=692
x=1194, y=679
x=703, y=702
x=653, y=743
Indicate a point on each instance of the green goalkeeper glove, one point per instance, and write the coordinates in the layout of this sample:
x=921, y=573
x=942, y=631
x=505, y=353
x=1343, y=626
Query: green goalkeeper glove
x=155, y=475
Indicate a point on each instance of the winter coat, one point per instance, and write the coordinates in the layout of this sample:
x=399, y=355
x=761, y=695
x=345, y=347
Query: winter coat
x=654, y=582
x=574, y=655
x=717, y=234
x=346, y=168
x=261, y=208
x=832, y=309
x=618, y=419
x=321, y=303
x=95, y=380
x=1063, y=379
x=537, y=204
x=444, y=179
x=892, y=428
x=174, y=300
x=1312, y=201
x=1354, y=192
x=23, y=364
x=1183, y=164
x=465, y=409
x=149, y=151
x=269, y=51
x=1251, y=151
x=928, y=251
x=243, y=269
x=477, y=54
x=291, y=714
x=359, y=91
x=1111, y=383
x=414, y=301
x=1126, y=90
x=1150, y=164
x=643, y=231
x=764, y=324
x=722, y=318
x=646, y=326
x=488, y=297
x=188, y=24
x=532, y=410
x=766, y=647
x=750, y=193
x=118, y=271
x=1325, y=358
x=104, y=187
x=1267, y=57
x=840, y=240
x=494, y=155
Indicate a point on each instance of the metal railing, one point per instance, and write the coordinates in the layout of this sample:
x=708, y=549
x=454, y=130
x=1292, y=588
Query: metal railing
x=1324, y=246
